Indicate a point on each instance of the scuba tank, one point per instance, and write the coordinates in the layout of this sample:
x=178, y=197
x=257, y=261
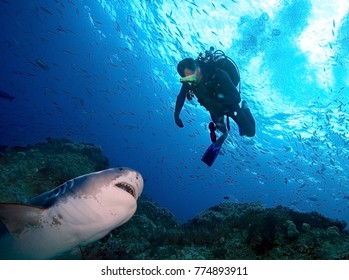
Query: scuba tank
x=217, y=59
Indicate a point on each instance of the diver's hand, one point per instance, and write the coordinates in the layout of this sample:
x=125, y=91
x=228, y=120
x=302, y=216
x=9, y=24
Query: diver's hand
x=178, y=121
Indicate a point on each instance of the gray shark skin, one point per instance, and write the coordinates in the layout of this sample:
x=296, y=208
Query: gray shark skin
x=77, y=212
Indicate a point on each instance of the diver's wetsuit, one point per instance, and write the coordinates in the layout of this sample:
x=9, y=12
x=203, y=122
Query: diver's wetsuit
x=220, y=97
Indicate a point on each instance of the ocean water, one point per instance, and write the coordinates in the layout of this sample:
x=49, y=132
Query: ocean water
x=104, y=72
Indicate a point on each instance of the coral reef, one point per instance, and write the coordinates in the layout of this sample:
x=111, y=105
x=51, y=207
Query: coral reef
x=225, y=231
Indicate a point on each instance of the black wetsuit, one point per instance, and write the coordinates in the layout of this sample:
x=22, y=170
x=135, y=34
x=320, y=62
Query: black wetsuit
x=220, y=97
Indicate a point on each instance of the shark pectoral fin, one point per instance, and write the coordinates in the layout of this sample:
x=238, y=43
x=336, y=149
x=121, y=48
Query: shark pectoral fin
x=16, y=217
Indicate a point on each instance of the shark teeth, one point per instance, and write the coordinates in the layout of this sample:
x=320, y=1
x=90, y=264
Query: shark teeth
x=127, y=188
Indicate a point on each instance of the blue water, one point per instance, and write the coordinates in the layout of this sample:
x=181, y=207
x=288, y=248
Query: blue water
x=105, y=72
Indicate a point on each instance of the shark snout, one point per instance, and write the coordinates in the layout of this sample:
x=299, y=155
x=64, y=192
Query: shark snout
x=136, y=181
x=127, y=179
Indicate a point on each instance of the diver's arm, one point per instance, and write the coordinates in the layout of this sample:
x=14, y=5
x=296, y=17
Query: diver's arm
x=226, y=90
x=179, y=104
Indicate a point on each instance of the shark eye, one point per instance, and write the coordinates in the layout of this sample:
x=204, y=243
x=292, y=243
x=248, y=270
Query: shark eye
x=127, y=188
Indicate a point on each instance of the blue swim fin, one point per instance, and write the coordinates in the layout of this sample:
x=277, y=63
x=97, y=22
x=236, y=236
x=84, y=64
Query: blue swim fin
x=211, y=154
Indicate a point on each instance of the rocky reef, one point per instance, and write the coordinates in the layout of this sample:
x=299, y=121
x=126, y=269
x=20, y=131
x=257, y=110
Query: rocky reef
x=225, y=231
x=28, y=171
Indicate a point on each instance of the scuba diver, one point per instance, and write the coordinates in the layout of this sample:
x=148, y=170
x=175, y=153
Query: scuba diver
x=213, y=78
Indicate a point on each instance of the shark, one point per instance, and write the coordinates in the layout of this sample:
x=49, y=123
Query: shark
x=78, y=212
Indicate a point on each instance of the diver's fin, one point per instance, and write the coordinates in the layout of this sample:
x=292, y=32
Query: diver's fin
x=211, y=154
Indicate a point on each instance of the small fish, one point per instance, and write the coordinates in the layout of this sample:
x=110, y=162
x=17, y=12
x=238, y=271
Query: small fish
x=5, y=95
x=312, y=198
x=224, y=7
x=97, y=22
x=46, y=11
x=68, y=52
x=42, y=65
x=194, y=4
x=171, y=19
x=180, y=32
x=117, y=27
x=340, y=89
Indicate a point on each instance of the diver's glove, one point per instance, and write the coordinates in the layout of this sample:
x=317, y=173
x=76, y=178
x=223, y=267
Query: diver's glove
x=178, y=121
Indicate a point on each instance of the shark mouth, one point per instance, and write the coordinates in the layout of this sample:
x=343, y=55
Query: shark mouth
x=127, y=188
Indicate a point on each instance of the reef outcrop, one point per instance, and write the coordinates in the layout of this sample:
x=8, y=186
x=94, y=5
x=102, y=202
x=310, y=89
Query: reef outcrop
x=225, y=231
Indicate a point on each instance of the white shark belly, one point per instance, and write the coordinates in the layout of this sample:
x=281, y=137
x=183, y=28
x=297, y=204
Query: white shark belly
x=69, y=224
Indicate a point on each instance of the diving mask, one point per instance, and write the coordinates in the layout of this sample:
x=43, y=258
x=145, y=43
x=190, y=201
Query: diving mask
x=188, y=79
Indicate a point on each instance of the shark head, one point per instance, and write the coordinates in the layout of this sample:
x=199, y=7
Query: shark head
x=109, y=196
x=79, y=211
